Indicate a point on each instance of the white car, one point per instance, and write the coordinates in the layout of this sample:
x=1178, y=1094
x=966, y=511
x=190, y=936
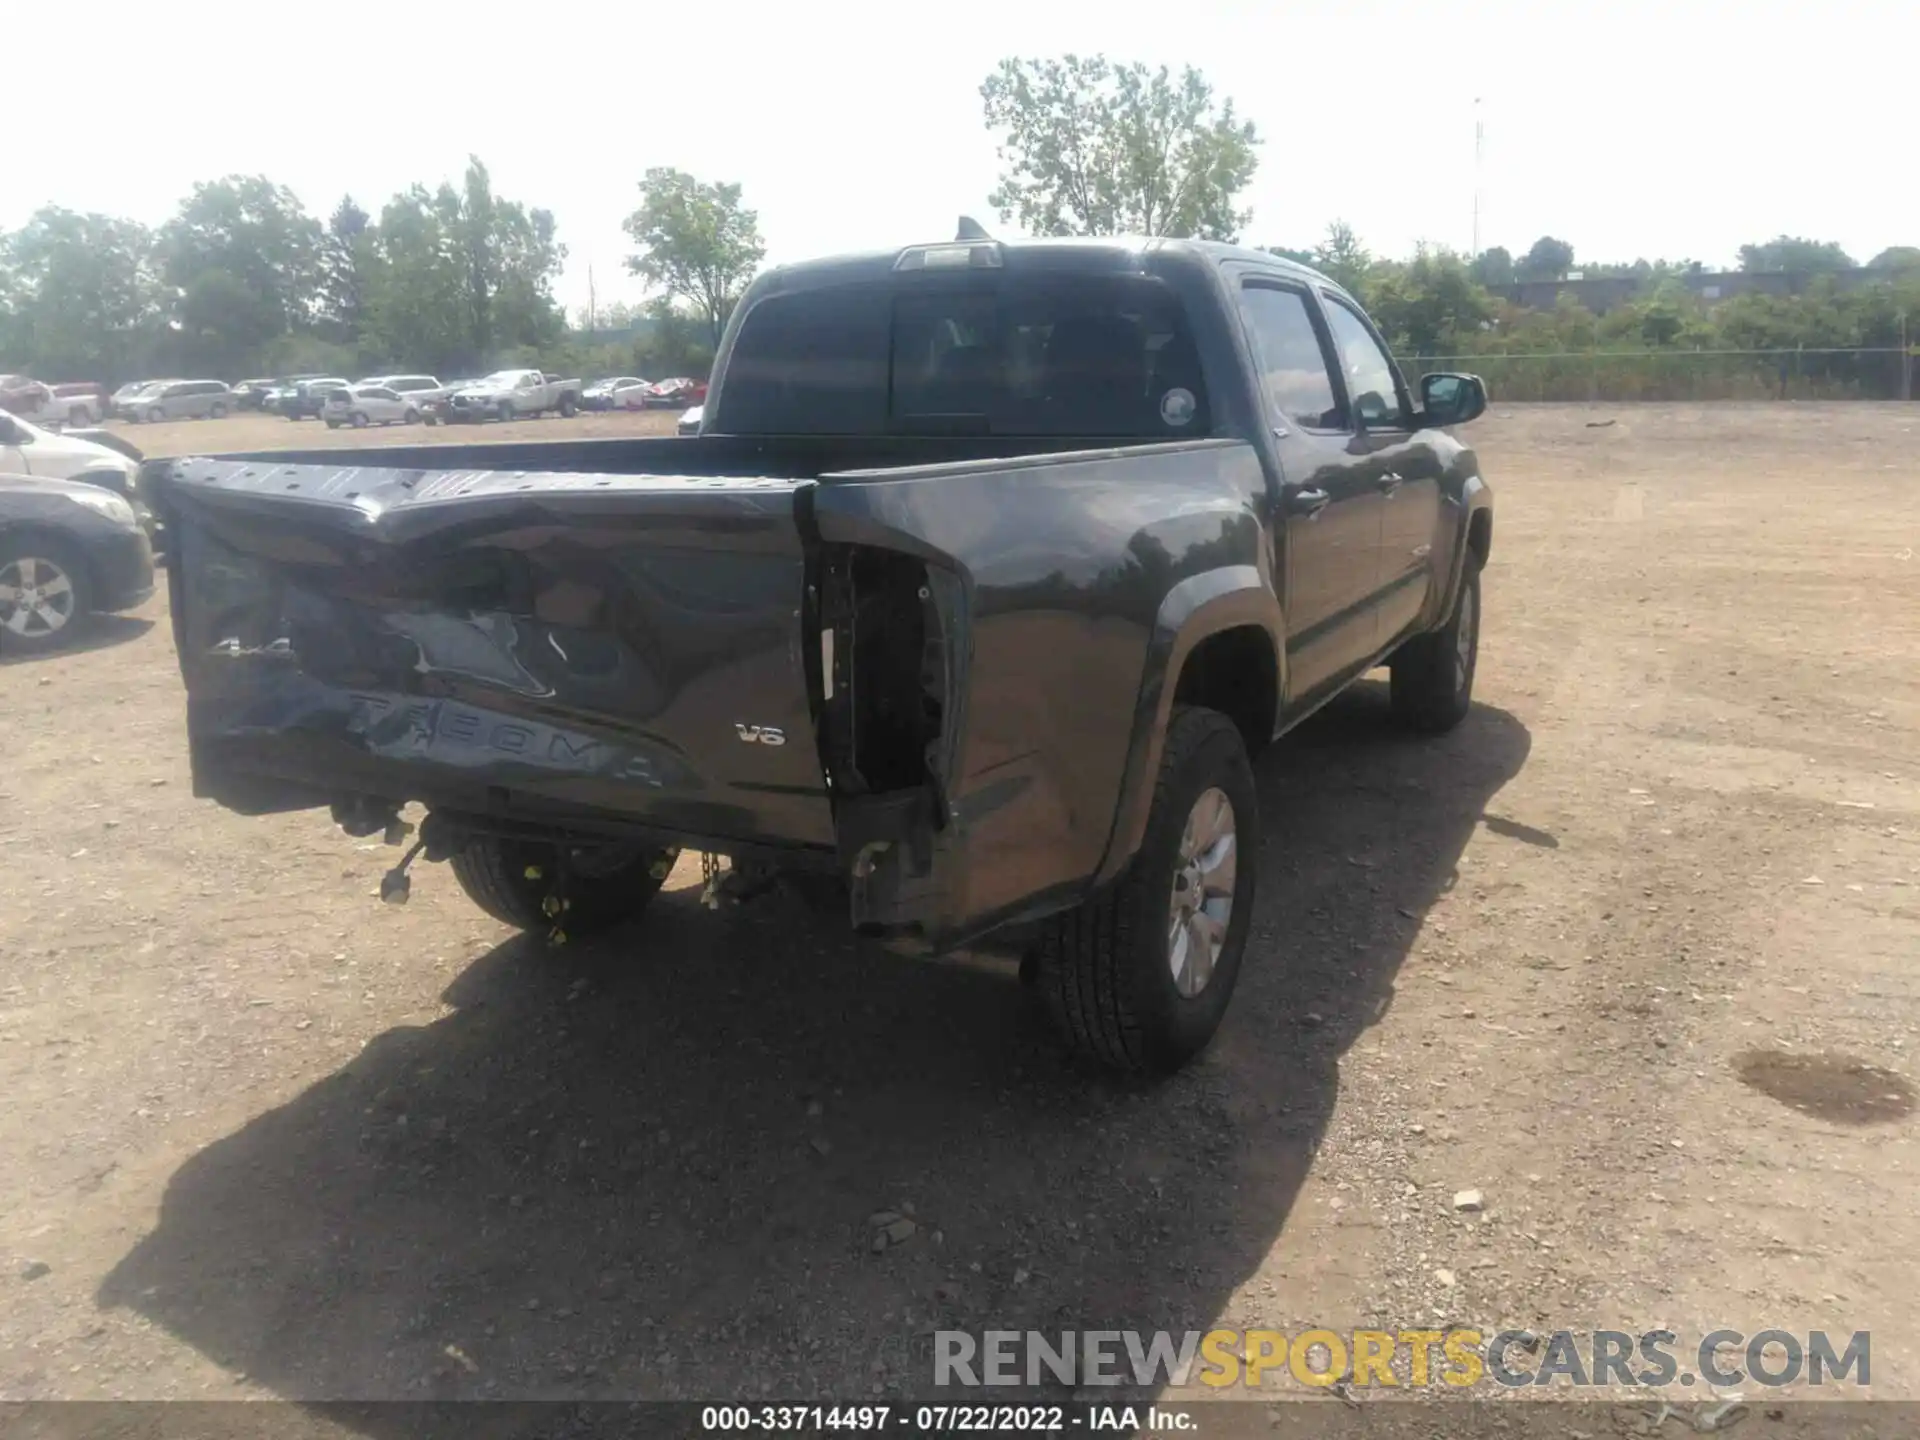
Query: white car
x=405, y=384
x=364, y=405
x=26, y=449
x=690, y=422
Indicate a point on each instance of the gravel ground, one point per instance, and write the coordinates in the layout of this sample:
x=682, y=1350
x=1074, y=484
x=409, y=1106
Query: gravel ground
x=266, y=1137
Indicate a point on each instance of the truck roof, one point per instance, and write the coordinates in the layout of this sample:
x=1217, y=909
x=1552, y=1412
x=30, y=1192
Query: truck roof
x=1115, y=252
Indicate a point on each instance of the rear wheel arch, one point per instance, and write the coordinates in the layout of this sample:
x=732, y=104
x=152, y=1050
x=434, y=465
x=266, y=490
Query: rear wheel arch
x=1236, y=672
x=1229, y=618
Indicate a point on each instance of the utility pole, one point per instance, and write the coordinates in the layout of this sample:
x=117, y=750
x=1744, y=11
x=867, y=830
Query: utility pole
x=1479, y=135
x=593, y=315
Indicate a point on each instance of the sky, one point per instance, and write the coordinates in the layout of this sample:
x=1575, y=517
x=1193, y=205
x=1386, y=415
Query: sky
x=1672, y=130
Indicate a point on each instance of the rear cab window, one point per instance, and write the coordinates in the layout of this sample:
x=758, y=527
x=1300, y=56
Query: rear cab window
x=1050, y=354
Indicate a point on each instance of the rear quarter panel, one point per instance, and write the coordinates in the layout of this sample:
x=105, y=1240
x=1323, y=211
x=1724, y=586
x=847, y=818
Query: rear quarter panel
x=1065, y=563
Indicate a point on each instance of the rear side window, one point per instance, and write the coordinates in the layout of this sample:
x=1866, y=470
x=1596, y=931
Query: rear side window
x=1293, y=364
x=1064, y=355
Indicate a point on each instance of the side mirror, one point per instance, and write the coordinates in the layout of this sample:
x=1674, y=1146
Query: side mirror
x=10, y=433
x=1452, y=399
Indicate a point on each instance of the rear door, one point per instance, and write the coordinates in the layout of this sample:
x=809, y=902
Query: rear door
x=1400, y=462
x=1330, y=530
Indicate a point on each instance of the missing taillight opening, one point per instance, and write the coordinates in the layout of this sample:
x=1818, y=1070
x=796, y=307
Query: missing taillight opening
x=882, y=671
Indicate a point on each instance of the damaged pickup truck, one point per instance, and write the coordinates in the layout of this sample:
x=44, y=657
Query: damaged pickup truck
x=992, y=566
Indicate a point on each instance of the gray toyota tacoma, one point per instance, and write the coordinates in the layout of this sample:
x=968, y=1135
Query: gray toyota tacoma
x=991, y=567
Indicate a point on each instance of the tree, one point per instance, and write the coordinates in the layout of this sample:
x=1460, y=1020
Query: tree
x=1093, y=148
x=78, y=296
x=697, y=242
x=462, y=276
x=346, y=250
x=1492, y=267
x=1548, y=259
x=257, y=234
x=1896, y=257
x=1299, y=257
x=1426, y=305
x=1342, y=258
x=1790, y=252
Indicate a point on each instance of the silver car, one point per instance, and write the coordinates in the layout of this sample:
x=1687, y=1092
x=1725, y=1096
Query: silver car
x=182, y=400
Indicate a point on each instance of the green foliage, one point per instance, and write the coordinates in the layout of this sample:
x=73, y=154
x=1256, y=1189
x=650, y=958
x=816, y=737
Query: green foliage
x=697, y=242
x=77, y=294
x=1094, y=148
x=1492, y=267
x=1342, y=258
x=1547, y=259
x=1428, y=302
x=1789, y=252
x=242, y=281
x=1896, y=257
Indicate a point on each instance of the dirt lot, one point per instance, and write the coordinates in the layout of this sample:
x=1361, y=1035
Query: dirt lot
x=263, y=1136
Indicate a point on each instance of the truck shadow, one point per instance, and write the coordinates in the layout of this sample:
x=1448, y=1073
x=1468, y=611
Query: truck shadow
x=608, y=1174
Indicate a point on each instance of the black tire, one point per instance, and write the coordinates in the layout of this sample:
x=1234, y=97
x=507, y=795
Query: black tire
x=504, y=412
x=333, y=424
x=568, y=405
x=1104, y=970
x=1432, y=686
x=32, y=634
x=602, y=889
x=156, y=416
x=217, y=411
x=432, y=419
x=358, y=420
x=411, y=417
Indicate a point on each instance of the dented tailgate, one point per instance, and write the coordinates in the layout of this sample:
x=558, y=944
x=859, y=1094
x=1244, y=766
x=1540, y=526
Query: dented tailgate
x=544, y=645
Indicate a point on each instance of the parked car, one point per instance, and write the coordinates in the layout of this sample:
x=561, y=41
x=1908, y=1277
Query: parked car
x=113, y=440
x=181, y=400
x=673, y=394
x=67, y=550
x=23, y=395
x=365, y=405
x=512, y=395
x=612, y=393
x=436, y=405
x=76, y=403
x=415, y=387
x=303, y=399
x=690, y=422
x=28, y=449
x=123, y=402
x=1192, y=469
x=252, y=394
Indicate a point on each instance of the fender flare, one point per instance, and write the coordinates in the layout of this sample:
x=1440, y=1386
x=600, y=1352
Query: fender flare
x=1475, y=497
x=1200, y=606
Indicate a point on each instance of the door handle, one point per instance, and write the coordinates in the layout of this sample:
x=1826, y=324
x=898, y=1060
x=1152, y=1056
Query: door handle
x=1308, y=502
x=1389, y=482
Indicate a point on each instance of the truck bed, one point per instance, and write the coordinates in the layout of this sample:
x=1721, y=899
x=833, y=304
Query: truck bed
x=741, y=644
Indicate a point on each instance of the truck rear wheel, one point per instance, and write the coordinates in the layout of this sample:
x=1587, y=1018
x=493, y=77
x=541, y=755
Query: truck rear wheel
x=1432, y=685
x=1138, y=978
x=513, y=880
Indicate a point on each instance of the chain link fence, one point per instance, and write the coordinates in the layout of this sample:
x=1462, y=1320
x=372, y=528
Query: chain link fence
x=1886, y=373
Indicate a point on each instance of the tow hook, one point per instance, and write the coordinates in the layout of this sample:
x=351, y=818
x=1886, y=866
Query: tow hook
x=435, y=840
